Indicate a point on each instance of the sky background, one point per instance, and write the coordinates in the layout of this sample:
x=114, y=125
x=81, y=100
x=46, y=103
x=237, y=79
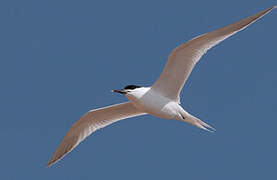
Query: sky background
x=60, y=59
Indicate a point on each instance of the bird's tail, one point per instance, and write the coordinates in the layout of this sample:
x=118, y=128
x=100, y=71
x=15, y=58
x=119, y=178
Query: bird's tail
x=197, y=122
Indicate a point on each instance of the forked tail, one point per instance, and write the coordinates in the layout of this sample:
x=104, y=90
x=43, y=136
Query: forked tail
x=197, y=122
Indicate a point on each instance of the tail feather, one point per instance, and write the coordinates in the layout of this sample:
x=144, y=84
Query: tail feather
x=198, y=123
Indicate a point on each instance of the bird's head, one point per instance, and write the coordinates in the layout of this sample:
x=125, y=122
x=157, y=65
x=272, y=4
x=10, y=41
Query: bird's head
x=127, y=89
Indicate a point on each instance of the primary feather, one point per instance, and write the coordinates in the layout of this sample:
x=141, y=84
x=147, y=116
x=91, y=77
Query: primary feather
x=90, y=122
x=182, y=59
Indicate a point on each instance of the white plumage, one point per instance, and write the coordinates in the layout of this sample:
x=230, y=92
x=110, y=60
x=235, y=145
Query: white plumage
x=163, y=98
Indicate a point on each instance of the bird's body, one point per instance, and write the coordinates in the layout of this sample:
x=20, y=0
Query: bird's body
x=162, y=99
x=153, y=102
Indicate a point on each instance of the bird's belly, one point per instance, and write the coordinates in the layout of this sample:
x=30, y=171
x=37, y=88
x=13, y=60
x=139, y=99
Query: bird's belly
x=157, y=106
x=164, y=113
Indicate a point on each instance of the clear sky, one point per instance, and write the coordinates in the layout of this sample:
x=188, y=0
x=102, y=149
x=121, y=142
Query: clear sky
x=60, y=59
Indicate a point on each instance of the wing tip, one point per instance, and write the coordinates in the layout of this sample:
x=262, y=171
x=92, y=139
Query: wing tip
x=269, y=9
x=53, y=160
x=66, y=146
x=49, y=164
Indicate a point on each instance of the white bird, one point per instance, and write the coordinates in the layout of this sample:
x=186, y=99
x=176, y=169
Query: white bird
x=162, y=99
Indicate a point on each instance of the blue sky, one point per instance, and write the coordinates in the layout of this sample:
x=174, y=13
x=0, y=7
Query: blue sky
x=60, y=59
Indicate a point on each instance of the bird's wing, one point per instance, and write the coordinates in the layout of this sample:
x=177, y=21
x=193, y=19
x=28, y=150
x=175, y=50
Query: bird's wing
x=182, y=59
x=90, y=122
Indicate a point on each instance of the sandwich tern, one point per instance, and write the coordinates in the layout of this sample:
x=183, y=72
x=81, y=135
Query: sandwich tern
x=162, y=99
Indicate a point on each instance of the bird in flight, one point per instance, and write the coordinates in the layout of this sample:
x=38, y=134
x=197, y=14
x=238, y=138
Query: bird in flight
x=162, y=99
